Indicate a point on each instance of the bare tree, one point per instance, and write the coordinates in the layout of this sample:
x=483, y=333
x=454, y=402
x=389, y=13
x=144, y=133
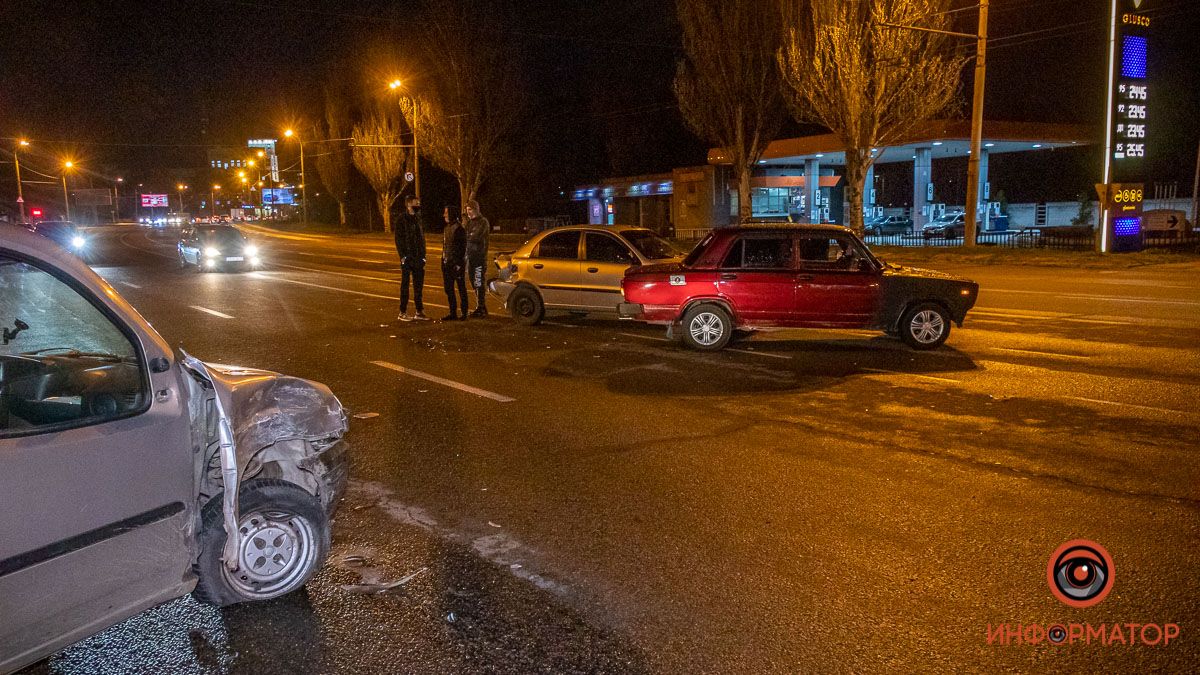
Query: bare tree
x=333, y=162
x=470, y=104
x=379, y=158
x=855, y=68
x=729, y=85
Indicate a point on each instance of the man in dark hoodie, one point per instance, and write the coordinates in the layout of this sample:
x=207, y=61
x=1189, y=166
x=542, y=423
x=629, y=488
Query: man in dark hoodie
x=454, y=262
x=410, y=244
x=477, y=228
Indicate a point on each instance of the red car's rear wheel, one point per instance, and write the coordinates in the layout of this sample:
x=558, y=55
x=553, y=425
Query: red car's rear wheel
x=707, y=327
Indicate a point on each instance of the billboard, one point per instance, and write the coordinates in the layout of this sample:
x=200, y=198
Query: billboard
x=154, y=201
x=278, y=197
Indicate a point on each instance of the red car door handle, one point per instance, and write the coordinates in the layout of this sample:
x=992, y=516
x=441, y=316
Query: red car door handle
x=728, y=276
x=805, y=277
x=593, y=270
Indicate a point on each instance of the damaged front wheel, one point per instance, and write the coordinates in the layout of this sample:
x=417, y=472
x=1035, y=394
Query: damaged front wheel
x=284, y=541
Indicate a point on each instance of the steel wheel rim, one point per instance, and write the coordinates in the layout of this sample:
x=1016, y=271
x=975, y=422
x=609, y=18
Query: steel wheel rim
x=706, y=328
x=524, y=307
x=276, y=552
x=927, y=326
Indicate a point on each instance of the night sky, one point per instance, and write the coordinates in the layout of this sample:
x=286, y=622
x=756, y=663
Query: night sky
x=140, y=88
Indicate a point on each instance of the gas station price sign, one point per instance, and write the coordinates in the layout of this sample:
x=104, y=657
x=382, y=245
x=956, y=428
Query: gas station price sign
x=1130, y=104
x=1128, y=134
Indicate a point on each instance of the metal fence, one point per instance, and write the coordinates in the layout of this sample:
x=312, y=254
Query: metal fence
x=1040, y=239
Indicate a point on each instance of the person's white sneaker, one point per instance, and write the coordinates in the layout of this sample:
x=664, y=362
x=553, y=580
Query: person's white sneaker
x=403, y=317
x=420, y=316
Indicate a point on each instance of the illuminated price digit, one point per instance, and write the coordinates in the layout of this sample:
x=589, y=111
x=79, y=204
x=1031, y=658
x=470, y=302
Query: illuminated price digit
x=1135, y=112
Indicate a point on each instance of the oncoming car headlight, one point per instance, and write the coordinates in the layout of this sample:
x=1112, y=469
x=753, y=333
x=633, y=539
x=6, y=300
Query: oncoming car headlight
x=78, y=242
x=211, y=252
x=251, y=250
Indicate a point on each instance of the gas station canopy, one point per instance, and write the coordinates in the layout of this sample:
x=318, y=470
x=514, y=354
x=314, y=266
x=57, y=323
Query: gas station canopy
x=944, y=138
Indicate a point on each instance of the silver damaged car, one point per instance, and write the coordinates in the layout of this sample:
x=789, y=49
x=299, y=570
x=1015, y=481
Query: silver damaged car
x=118, y=455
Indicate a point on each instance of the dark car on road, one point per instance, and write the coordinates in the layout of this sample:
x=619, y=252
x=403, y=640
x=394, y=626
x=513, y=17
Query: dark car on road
x=802, y=276
x=882, y=225
x=64, y=233
x=217, y=247
x=949, y=226
x=132, y=474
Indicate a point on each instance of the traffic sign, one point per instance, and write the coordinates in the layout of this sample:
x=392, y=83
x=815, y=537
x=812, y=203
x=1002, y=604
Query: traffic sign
x=408, y=176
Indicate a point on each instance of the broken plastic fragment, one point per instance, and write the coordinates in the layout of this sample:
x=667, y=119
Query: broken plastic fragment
x=492, y=524
x=366, y=415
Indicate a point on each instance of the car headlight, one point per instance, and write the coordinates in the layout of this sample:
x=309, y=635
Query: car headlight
x=78, y=242
x=211, y=252
x=251, y=250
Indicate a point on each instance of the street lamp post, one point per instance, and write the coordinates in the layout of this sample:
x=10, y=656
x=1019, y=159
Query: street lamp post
x=212, y=201
x=66, y=198
x=303, y=179
x=17, y=164
x=396, y=84
x=180, y=188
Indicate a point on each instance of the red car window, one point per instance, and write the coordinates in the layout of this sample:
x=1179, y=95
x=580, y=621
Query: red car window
x=828, y=252
x=763, y=253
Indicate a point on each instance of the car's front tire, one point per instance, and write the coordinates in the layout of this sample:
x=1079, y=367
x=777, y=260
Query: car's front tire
x=526, y=306
x=284, y=541
x=707, y=328
x=925, y=326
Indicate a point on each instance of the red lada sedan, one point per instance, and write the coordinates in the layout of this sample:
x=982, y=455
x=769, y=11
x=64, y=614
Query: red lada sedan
x=793, y=276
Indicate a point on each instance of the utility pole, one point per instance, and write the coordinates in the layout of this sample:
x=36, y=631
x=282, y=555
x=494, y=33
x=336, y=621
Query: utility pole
x=972, y=216
x=66, y=197
x=17, y=164
x=303, y=186
x=416, y=155
x=1196, y=190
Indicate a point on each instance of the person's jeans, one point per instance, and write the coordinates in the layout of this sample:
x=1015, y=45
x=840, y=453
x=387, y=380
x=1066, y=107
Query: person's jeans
x=452, y=280
x=475, y=267
x=417, y=274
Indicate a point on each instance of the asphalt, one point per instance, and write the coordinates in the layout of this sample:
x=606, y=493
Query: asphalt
x=585, y=496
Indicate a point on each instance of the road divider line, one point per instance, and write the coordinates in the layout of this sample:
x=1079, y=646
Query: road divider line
x=214, y=312
x=482, y=393
x=384, y=280
x=1035, y=352
x=261, y=275
x=1089, y=296
x=1126, y=405
x=900, y=372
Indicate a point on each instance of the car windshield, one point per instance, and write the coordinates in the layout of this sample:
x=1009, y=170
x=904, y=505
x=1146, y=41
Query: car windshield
x=650, y=245
x=220, y=235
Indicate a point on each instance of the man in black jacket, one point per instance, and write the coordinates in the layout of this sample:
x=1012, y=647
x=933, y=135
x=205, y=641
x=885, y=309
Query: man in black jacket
x=454, y=261
x=477, y=228
x=410, y=244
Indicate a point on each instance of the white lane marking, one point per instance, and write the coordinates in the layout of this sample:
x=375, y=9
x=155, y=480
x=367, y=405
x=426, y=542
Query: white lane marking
x=740, y=351
x=385, y=280
x=1038, y=353
x=1052, y=316
x=1089, y=296
x=126, y=283
x=483, y=393
x=1126, y=405
x=899, y=372
x=214, y=312
x=260, y=275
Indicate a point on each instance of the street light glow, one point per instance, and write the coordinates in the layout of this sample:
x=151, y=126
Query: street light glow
x=23, y=143
x=394, y=84
x=68, y=164
x=288, y=133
